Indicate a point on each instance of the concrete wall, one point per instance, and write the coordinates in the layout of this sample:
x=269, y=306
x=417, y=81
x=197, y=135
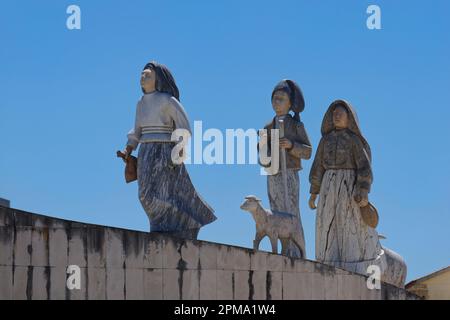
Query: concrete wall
x=35, y=251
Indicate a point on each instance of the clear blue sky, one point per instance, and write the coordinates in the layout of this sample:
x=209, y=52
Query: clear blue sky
x=68, y=99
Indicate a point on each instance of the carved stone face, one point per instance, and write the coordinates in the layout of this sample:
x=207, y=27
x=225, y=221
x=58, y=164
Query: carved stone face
x=281, y=103
x=340, y=118
x=148, y=80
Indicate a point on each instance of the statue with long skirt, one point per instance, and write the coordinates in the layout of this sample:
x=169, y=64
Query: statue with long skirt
x=166, y=192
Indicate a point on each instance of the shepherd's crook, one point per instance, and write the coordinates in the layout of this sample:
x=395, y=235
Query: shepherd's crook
x=283, y=167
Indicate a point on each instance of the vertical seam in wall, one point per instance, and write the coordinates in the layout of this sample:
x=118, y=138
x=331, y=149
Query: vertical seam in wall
x=233, y=285
x=14, y=252
x=251, y=288
x=29, y=291
x=124, y=280
x=85, y=242
x=69, y=237
x=199, y=273
x=48, y=269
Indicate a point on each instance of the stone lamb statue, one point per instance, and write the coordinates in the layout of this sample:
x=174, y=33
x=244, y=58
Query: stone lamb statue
x=276, y=226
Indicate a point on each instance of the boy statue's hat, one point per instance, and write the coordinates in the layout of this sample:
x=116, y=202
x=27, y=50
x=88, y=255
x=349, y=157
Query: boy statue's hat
x=295, y=95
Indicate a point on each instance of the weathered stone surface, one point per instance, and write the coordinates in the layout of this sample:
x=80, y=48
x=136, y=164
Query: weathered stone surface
x=318, y=286
x=172, y=289
x=305, y=266
x=120, y=264
x=115, y=283
x=208, y=284
x=6, y=217
x=96, y=247
x=190, y=285
x=153, y=284
x=331, y=287
x=23, y=280
x=190, y=253
x=275, y=263
x=97, y=283
x=289, y=264
x=258, y=261
x=6, y=283
x=40, y=247
x=58, y=247
x=22, y=246
x=225, y=283
x=115, y=254
x=171, y=253
x=241, y=285
x=153, y=253
x=22, y=218
x=349, y=287
x=274, y=285
x=208, y=256
x=77, y=254
x=231, y=258
x=304, y=283
x=259, y=282
x=290, y=286
x=58, y=278
x=6, y=246
x=134, y=284
x=40, y=284
x=134, y=250
x=39, y=221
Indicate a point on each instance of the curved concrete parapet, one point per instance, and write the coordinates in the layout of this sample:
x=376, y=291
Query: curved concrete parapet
x=36, y=252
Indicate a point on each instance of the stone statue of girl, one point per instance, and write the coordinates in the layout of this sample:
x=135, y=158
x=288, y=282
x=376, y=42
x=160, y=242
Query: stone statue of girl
x=287, y=96
x=341, y=175
x=165, y=188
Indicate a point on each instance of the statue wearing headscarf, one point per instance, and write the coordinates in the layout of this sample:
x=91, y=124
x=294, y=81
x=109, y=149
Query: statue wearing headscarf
x=165, y=188
x=342, y=176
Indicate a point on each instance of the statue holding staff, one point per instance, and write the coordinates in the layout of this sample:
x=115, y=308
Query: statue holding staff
x=283, y=185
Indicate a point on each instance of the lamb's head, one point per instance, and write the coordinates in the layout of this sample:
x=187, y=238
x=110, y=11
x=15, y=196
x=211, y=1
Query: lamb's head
x=251, y=203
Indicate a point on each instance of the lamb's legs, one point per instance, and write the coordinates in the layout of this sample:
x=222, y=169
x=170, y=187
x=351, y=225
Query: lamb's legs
x=258, y=237
x=296, y=240
x=284, y=246
x=274, y=243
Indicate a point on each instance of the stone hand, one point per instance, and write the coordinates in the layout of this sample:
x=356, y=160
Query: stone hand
x=362, y=198
x=262, y=133
x=312, y=201
x=285, y=143
x=127, y=152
